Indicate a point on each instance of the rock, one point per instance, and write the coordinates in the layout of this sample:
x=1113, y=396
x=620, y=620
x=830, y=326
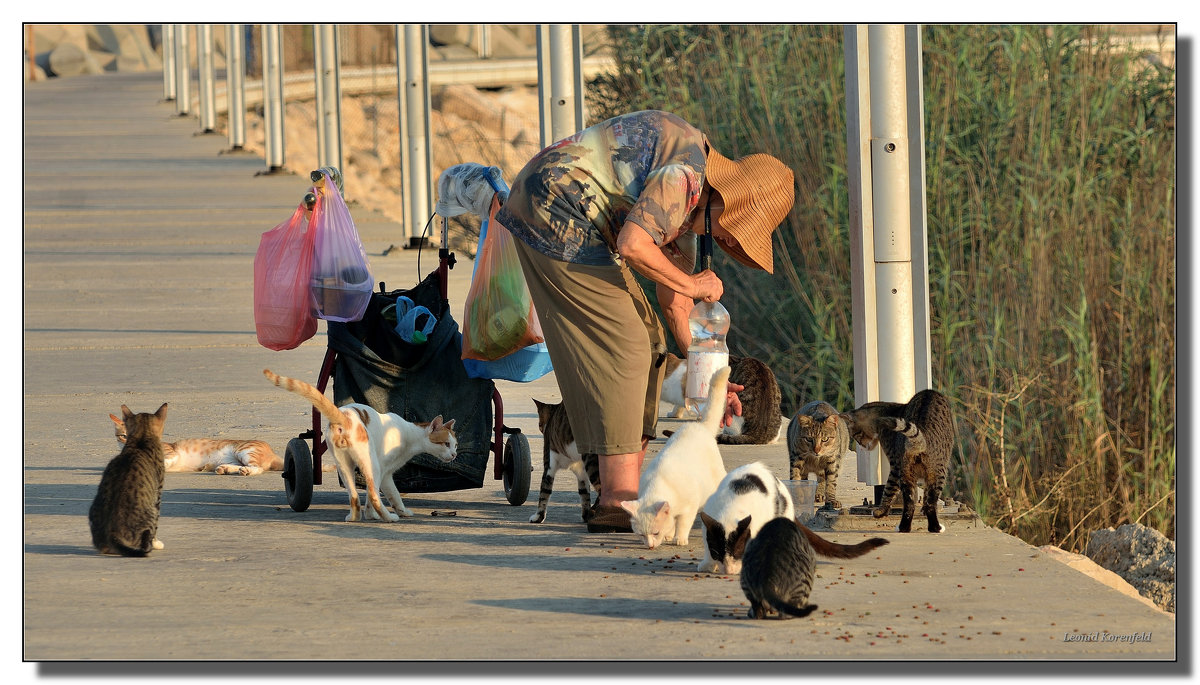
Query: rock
x=68, y=59
x=1144, y=557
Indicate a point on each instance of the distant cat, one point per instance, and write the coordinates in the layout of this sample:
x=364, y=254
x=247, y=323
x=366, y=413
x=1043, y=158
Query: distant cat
x=916, y=437
x=377, y=444
x=225, y=457
x=760, y=422
x=560, y=452
x=779, y=565
x=746, y=498
x=686, y=471
x=124, y=514
x=674, y=385
x=817, y=439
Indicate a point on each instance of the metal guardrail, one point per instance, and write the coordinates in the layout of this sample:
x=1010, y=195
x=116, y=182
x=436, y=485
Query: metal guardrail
x=488, y=73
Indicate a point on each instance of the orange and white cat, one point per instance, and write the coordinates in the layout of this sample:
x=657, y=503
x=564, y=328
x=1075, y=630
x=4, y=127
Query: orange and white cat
x=223, y=457
x=377, y=444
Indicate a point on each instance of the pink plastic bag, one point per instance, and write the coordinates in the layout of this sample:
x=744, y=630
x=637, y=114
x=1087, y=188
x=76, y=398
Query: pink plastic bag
x=341, y=276
x=283, y=316
x=500, y=318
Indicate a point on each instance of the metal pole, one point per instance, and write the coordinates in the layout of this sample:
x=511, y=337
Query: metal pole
x=890, y=205
x=273, y=93
x=887, y=217
x=922, y=348
x=577, y=75
x=545, y=130
x=235, y=85
x=416, y=100
x=401, y=100
x=483, y=40
x=204, y=53
x=330, y=150
x=168, y=61
x=183, y=71
x=862, y=246
x=319, y=90
x=562, y=83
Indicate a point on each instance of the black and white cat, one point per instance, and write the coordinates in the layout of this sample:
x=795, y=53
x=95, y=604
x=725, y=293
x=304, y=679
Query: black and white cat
x=747, y=498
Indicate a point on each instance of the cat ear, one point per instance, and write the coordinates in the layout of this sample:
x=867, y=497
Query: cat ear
x=832, y=419
x=630, y=505
x=436, y=423
x=662, y=509
x=125, y=412
x=708, y=521
x=115, y=420
x=448, y=425
x=162, y=412
x=740, y=537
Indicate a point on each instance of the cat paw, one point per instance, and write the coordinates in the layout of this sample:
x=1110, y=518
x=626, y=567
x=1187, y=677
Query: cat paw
x=538, y=517
x=395, y=517
x=403, y=511
x=351, y=517
x=901, y=528
x=709, y=566
x=879, y=513
x=157, y=544
x=941, y=529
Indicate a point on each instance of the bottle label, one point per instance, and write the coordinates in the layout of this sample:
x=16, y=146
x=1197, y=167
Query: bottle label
x=700, y=370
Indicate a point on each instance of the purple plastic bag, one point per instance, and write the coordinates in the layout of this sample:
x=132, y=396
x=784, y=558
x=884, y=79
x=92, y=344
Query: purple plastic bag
x=341, y=277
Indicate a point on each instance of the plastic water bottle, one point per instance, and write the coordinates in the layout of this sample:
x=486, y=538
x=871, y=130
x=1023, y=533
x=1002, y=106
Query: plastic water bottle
x=709, y=322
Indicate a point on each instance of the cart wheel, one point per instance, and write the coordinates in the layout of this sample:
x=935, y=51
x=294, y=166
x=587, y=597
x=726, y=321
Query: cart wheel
x=517, y=468
x=298, y=474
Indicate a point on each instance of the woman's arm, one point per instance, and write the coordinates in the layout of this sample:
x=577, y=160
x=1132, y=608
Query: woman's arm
x=639, y=250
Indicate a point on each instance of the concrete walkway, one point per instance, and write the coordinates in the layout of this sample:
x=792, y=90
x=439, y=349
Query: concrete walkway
x=139, y=238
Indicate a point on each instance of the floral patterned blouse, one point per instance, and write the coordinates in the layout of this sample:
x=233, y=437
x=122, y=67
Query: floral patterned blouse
x=572, y=199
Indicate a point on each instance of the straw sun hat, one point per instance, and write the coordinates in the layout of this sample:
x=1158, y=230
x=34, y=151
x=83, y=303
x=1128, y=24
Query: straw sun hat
x=758, y=192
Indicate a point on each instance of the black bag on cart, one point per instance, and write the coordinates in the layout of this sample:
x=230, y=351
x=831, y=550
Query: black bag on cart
x=375, y=366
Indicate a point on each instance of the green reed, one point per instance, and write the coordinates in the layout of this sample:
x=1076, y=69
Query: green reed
x=1050, y=181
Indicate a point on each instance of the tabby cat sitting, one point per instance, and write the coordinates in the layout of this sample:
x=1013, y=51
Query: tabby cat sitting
x=124, y=514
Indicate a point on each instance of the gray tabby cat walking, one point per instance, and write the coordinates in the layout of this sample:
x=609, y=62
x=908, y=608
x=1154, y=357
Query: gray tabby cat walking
x=760, y=420
x=560, y=452
x=916, y=437
x=817, y=439
x=124, y=515
x=779, y=565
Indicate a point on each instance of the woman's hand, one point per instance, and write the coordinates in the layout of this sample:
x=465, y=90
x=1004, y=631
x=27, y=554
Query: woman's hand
x=733, y=404
x=707, y=286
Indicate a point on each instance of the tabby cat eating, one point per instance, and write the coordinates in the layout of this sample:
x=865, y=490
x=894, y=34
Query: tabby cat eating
x=779, y=565
x=817, y=440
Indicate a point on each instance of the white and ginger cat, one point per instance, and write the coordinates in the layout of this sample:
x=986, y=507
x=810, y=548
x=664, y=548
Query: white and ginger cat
x=748, y=497
x=682, y=476
x=377, y=444
x=223, y=457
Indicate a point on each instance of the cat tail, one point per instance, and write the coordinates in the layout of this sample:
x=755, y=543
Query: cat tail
x=323, y=404
x=833, y=550
x=714, y=410
x=784, y=608
x=915, y=442
x=143, y=548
